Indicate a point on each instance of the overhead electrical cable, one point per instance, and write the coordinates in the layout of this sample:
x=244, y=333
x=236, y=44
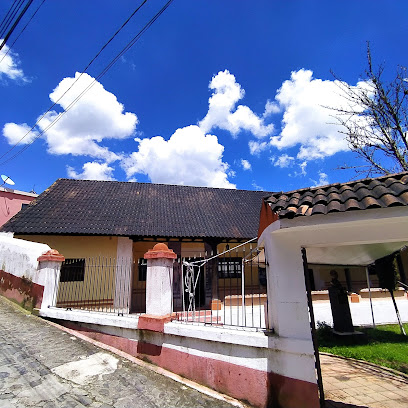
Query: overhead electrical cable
x=76, y=80
x=21, y=32
x=102, y=73
x=13, y=27
x=8, y=18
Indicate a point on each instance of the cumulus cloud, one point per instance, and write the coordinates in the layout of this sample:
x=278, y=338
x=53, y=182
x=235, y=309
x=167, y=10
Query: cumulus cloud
x=323, y=180
x=189, y=157
x=283, y=161
x=255, y=147
x=307, y=121
x=19, y=133
x=222, y=113
x=9, y=65
x=246, y=165
x=97, y=116
x=92, y=171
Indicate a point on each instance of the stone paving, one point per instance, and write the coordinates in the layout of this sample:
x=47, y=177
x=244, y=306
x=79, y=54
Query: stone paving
x=42, y=366
x=349, y=383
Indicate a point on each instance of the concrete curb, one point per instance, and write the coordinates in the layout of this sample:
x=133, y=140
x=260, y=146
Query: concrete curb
x=198, y=387
x=389, y=370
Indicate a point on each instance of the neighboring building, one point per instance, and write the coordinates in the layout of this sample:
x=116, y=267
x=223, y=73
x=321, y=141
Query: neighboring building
x=82, y=218
x=12, y=201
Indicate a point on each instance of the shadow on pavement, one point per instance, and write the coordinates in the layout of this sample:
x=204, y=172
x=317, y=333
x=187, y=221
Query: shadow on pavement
x=337, y=404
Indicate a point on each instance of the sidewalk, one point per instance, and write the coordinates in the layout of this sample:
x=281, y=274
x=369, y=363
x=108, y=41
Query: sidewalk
x=349, y=384
x=43, y=366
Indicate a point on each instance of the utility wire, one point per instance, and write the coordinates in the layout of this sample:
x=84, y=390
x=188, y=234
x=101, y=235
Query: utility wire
x=9, y=16
x=6, y=16
x=17, y=7
x=103, y=72
x=76, y=80
x=13, y=27
x=21, y=32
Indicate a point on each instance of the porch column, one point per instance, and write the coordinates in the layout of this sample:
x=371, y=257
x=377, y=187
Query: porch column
x=296, y=384
x=159, y=280
x=123, y=274
x=49, y=276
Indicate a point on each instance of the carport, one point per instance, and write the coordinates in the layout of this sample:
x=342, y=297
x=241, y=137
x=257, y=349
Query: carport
x=341, y=224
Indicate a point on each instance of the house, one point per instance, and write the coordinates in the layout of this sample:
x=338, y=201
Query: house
x=12, y=201
x=85, y=219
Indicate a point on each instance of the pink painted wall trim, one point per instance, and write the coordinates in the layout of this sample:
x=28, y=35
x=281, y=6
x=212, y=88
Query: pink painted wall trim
x=256, y=387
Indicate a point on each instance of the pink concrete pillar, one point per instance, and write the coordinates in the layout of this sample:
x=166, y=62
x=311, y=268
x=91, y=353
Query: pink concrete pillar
x=50, y=267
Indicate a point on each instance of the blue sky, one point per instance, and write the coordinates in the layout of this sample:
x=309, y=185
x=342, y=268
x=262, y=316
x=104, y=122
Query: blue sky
x=216, y=93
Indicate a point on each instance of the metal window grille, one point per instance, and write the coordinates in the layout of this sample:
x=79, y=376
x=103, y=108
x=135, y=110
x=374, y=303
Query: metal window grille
x=72, y=270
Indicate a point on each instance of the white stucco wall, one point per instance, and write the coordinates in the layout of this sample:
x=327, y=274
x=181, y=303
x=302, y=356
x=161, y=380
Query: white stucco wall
x=19, y=257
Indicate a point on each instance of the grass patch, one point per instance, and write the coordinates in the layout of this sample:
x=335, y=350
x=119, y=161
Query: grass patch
x=384, y=345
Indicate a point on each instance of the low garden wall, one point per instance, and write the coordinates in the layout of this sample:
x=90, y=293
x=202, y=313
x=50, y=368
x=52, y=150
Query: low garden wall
x=20, y=277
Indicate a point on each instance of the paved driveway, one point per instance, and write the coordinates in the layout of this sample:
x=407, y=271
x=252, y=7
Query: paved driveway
x=349, y=383
x=42, y=366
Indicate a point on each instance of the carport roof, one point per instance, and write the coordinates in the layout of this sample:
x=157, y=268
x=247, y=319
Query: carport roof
x=381, y=192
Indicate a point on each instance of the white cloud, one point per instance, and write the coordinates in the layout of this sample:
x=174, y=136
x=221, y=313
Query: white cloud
x=255, y=148
x=271, y=107
x=189, y=157
x=226, y=93
x=15, y=133
x=9, y=65
x=283, y=161
x=92, y=171
x=306, y=119
x=323, y=180
x=97, y=116
x=246, y=165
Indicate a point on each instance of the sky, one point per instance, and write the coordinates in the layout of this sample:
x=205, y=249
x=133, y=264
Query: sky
x=230, y=94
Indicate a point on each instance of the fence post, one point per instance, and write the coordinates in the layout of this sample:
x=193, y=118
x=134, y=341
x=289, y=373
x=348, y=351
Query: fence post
x=159, y=288
x=49, y=267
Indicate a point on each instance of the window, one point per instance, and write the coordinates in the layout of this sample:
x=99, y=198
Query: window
x=142, y=268
x=24, y=205
x=72, y=270
x=229, y=268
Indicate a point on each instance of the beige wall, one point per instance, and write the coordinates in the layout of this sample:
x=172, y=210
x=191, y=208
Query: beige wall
x=98, y=287
x=77, y=246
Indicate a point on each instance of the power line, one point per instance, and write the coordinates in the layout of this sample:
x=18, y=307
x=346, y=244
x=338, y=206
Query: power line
x=21, y=32
x=13, y=27
x=6, y=37
x=101, y=74
x=76, y=80
x=9, y=16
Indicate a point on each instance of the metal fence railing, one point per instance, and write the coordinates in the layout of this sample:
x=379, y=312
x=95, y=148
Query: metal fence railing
x=96, y=284
x=226, y=289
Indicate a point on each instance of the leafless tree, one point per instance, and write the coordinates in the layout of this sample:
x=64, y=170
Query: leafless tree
x=375, y=119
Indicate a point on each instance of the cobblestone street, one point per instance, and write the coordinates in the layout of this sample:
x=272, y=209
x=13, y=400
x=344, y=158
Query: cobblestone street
x=42, y=366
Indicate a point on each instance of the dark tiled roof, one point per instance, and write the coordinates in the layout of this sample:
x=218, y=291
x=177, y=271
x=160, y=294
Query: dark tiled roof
x=140, y=209
x=381, y=192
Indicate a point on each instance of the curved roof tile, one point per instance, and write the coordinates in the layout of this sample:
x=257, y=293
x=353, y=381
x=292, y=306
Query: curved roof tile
x=382, y=192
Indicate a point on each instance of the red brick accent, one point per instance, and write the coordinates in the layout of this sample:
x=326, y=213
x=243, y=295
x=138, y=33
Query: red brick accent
x=160, y=251
x=51, y=255
x=153, y=323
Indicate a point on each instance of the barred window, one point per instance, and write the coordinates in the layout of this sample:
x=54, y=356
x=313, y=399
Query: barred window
x=72, y=270
x=142, y=268
x=229, y=267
